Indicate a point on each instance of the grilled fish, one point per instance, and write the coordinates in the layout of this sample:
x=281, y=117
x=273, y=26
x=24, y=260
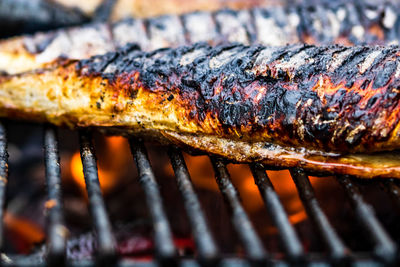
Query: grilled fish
x=28, y=16
x=33, y=15
x=323, y=24
x=325, y=108
x=120, y=9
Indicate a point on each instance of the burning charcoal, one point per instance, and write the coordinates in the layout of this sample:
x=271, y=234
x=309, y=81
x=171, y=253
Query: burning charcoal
x=133, y=242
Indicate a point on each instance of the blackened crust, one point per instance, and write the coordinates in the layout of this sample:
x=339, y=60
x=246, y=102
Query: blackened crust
x=329, y=98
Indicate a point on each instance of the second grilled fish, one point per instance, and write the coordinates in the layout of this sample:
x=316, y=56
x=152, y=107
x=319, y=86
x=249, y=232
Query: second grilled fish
x=351, y=23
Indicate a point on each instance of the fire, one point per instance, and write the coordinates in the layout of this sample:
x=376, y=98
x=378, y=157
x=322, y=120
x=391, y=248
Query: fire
x=23, y=232
x=202, y=175
x=201, y=172
x=109, y=168
x=283, y=184
x=105, y=177
x=287, y=192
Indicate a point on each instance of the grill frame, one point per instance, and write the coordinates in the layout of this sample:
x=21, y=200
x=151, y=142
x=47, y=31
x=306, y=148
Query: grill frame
x=384, y=252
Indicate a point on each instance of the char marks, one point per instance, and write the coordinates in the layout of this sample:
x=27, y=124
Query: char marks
x=296, y=94
x=165, y=31
x=130, y=31
x=200, y=27
x=323, y=23
x=235, y=26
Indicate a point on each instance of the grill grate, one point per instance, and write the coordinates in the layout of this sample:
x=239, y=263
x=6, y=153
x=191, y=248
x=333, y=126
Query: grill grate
x=337, y=249
x=162, y=232
x=102, y=225
x=56, y=230
x=288, y=236
x=207, y=249
x=384, y=248
x=251, y=242
x=3, y=176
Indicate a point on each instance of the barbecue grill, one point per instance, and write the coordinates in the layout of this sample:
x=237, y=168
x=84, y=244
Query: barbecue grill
x=383, y=247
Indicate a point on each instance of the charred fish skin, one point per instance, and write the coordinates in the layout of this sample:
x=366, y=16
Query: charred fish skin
x=324, y=24
x=334, y=99
x=323, y=108
x=327, y=98
x=27, y=16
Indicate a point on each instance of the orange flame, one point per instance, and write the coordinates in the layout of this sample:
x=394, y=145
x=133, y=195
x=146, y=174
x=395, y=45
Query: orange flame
x=77, y=173
x=109, y=169
x=283, y=184
x=287, y=192
x=202, y=175
x=27, y=232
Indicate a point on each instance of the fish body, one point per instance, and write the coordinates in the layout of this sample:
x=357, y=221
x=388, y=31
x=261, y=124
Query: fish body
x=25, y=16
x=323, y=108
x=323, y=24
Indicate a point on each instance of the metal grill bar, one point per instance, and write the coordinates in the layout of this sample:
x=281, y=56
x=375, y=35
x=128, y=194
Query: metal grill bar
x=289, y=238
x=225, y=262
x=3, y=176
x=205, y=243
x=384, y=248
x=56, y=228
x=247, y=234
x=164, y=244
x=337, y=249
x=106, y=249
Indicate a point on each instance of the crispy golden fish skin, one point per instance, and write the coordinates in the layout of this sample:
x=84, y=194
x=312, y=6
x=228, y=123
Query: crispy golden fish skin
x=279, y=25
x=323, y=108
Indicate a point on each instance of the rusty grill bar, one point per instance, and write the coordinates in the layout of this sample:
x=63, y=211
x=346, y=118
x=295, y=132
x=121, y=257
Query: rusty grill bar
x=336, y=248
x=207, y=249
x=165, y=247
x=384, y=247
x=288, y=236
x=102, y=225
x=251, y=243
x=56, y=231
x=3, y=176
x=383, y=252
